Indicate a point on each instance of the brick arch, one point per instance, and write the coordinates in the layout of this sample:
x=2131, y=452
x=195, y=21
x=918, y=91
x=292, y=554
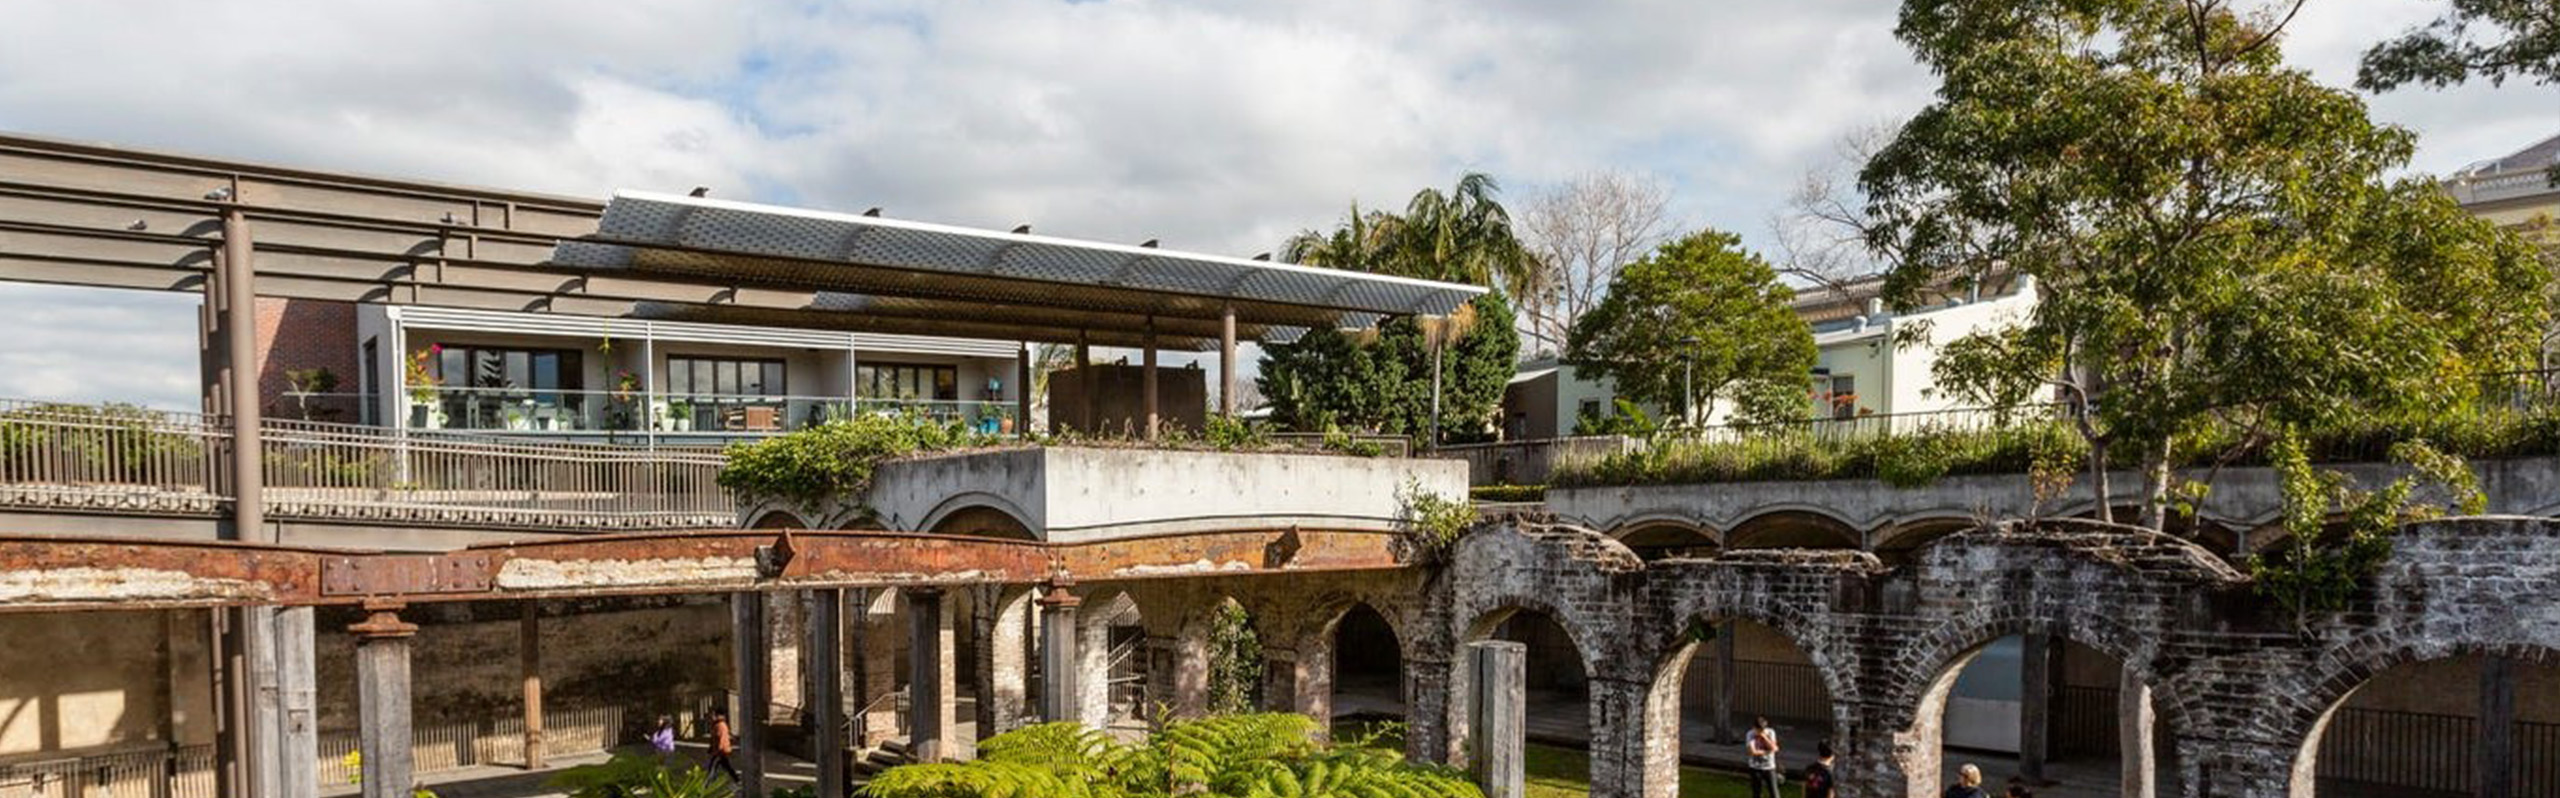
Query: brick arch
x=978, y=512
x=2329, y=682
x=1329, y=614
x=1790, y=526
x=1914, y=694
x=776, y=518
x=1660, y=768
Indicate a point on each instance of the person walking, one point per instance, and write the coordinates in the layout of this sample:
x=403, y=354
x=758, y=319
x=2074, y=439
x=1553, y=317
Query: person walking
x=722, y=745
x=1968, y=783
x=1760, y=749
x=662, y=740
x=1817, y=776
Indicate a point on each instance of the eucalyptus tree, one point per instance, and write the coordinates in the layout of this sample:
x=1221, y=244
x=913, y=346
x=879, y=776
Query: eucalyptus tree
x=2494, y=39
x=1699, y=320
x=2214, y=234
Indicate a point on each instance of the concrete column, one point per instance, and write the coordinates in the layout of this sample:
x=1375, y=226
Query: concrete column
x=529, y=663
x=2134, y=723
x=382, y=702
x=298, y=696
x=747, y=642
x=1059, y=692
x=2039, y=659
x=1227, y=361
x=875, y=676
x=1497, y=717
x=826, y=698
x=2497, y=753
x=1147, y=385
x=1720, y=704
x=1426, y=710
x=932, y=712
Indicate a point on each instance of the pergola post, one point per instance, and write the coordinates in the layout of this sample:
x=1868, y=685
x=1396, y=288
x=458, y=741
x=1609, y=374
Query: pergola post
x=382, y=701
x=1227, y=360
x=1022, y=389
x=1147, y=385
x=1058, y=664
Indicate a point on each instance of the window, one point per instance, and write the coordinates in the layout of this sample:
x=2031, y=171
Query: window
x=1842, y=394
x=725, y=376
x=482, y=367
x=1590, y=409
x=907, y=381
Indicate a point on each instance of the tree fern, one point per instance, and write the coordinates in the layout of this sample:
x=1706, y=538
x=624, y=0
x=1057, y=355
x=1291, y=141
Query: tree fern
x=1232, y=756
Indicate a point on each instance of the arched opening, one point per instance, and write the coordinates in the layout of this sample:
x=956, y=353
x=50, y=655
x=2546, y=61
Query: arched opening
x=983, y=521
x=1664, y=541
x=1725, y=678
x=1115, y=662
x=778, y=519
x=1792, y=529
x=2439, y=728
x=2045, y=711
x=1901, y=542
x=1368, y=667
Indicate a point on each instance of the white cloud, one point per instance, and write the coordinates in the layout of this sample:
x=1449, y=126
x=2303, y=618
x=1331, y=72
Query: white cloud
x=1220, y=125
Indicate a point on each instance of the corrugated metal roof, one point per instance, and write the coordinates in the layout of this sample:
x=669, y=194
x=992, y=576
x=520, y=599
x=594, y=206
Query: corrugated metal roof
x=916, y=276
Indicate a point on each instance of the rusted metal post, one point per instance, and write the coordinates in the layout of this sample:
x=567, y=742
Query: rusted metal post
x=1227, y=361
x=1058, y=684
x=529, y=661
x=240, y=380
x=826, y=697
x=755, y=688
x=382, y=701
x=1148, y=384
x=1084, y=385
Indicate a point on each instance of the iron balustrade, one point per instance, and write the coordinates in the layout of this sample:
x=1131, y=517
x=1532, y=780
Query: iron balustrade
x=113, y=458
x=528, y=410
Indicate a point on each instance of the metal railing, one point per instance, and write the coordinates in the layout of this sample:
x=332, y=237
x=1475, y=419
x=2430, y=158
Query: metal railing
x=152, y=772
x=1533, y=462
x=455, y=745
x=2437, y=752
x=1780, y=690
x=521, y=410
x=114, y=458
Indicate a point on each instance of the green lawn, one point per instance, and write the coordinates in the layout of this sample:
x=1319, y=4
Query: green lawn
x=1559, y=772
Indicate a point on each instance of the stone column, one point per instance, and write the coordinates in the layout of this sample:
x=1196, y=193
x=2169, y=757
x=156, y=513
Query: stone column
x=1721, y=705
x=1190, y=697
x=2133, y=736
x=1426, y=710
x=1314, y=682
x=2497, y=753
x=1059, y=692
x=1000, y=662
x=826, y=689
x=382, y=702
x=529, y=663
x=932, y=713
x=2039, y=659
x=1497, y=742
x=747, y=632
x=786, y=619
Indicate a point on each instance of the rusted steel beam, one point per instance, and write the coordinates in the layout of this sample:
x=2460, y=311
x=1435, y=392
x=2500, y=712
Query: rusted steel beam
x=55, y=573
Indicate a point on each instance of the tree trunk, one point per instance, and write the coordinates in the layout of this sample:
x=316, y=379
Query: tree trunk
x=2155, y=486
x=2098, y=481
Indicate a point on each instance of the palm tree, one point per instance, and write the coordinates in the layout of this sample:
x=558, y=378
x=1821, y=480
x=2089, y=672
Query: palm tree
x=1464, y=236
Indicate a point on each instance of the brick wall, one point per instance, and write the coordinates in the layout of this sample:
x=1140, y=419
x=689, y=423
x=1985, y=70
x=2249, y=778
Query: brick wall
x=298, y=334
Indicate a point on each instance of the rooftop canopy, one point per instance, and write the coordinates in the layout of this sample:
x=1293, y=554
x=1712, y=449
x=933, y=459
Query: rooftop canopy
x=873, y=273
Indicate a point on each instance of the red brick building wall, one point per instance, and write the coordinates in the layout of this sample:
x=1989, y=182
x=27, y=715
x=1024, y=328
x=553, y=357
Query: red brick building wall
x=300, y=334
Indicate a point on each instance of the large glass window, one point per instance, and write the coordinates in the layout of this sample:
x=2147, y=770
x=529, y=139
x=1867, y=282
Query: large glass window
x=725, y=376
x=491, y=387
x=907, y=381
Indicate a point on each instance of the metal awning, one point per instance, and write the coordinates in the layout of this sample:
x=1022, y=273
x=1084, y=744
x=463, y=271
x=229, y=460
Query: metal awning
x=894, y=275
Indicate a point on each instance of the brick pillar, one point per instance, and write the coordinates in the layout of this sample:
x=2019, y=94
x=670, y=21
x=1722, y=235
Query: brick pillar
x=382, y=701
x=1497, y=716
x=1426, y=711
x=1314, y=682
x=1001, y=631
x=787, y=626
x=1061, y=692
x=1635, y=742
x=1190, y=697
x=1279, y=679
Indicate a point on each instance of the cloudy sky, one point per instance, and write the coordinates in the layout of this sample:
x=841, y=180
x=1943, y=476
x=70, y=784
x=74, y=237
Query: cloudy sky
x=1219, y=126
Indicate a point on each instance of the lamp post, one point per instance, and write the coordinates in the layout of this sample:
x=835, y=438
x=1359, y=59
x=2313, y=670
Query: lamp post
x=1688, y=389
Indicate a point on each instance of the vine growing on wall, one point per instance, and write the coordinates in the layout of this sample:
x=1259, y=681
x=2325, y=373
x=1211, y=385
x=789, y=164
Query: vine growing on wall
x=1428, y=523
x=2340, y=534
x=1235, y=661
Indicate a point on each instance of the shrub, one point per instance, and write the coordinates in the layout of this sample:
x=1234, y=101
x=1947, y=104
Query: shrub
x=1508, y=493
x=1230, y=755
x=836, y=458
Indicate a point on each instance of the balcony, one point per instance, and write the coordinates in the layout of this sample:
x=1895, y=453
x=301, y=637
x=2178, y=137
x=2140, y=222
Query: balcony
x=619, y=415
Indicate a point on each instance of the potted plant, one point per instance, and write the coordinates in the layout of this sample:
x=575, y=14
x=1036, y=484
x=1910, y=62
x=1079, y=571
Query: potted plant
x=424, y=412
x=306, y=382
x=679, y=415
